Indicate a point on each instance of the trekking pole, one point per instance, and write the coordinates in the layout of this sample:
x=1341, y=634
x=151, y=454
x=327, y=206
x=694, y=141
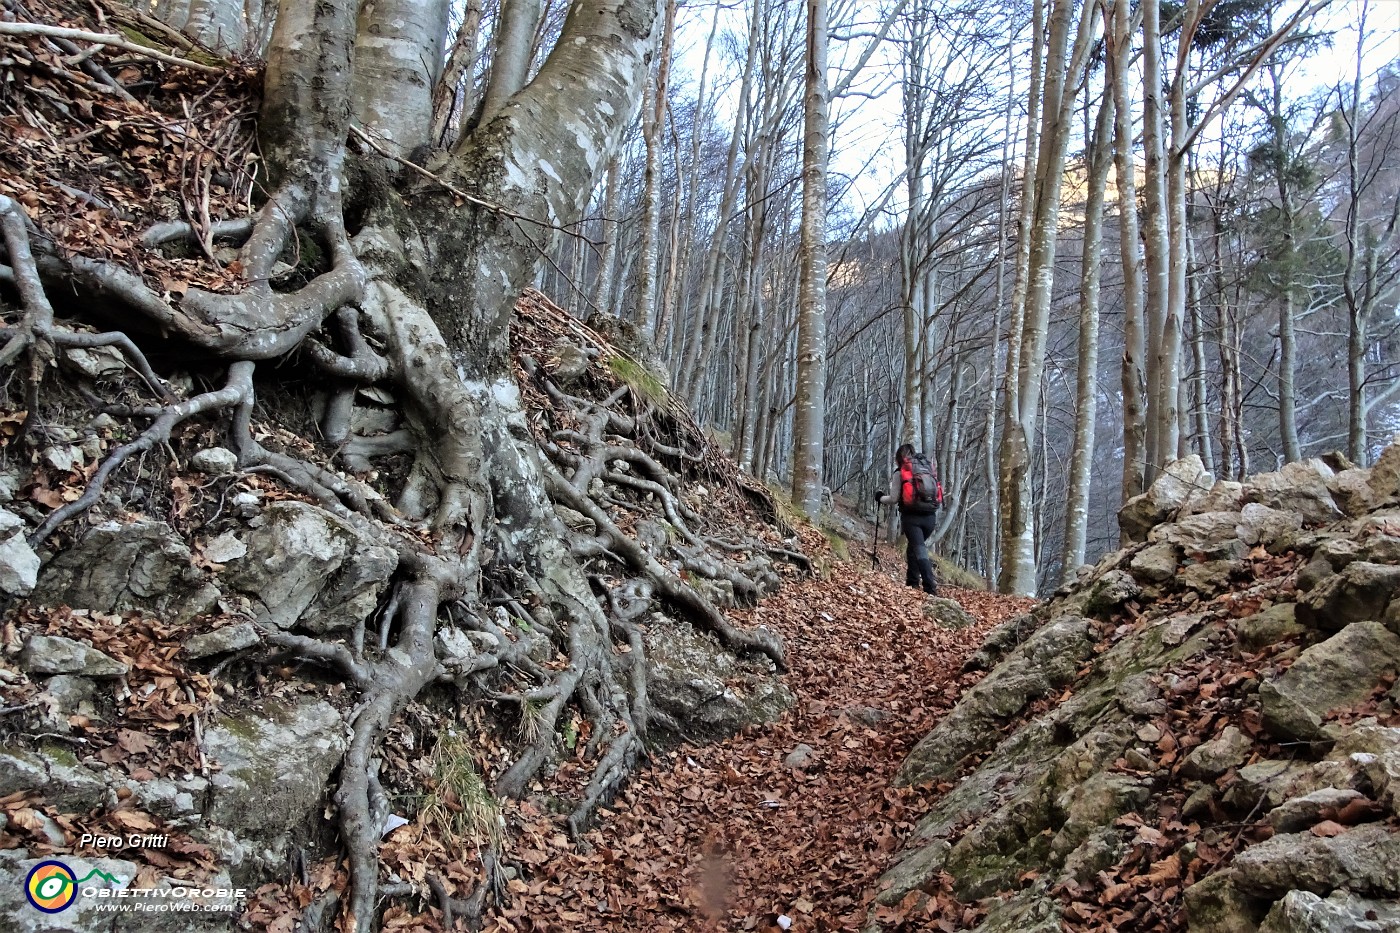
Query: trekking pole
x=875, y=538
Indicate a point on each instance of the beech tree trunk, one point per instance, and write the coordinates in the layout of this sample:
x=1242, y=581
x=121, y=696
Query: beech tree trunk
x=809, y=412
x=1100, y=159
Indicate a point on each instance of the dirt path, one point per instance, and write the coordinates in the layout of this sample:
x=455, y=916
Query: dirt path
x=725, y=836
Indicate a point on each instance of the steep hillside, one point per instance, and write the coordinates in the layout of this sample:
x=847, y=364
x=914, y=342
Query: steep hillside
x=1202, y=733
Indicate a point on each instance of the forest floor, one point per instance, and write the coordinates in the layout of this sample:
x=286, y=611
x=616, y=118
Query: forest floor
x=728, y=836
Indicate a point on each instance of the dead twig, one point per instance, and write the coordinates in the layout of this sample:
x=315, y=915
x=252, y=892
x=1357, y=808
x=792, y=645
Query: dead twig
x=24, y=30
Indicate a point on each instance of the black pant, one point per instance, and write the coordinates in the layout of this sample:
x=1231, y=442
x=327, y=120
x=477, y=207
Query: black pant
x=917, y=529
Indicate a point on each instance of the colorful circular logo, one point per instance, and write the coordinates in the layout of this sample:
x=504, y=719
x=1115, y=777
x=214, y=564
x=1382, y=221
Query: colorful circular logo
x=51, y=887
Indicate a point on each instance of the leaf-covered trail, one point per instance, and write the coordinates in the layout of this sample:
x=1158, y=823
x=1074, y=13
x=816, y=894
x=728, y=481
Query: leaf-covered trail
x=726, y=836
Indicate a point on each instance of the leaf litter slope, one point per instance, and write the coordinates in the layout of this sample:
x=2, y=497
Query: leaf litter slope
x=727, y=836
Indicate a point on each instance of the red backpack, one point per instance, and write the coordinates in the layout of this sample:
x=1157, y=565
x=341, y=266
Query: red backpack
x=919, y=488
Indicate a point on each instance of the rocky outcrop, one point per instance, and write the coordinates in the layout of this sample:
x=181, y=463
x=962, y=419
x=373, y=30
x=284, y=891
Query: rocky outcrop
x=273, y=765
x=305, y=567
x=1233, y=668
x=118, y=566
x=702, y=691
x=1048, y=659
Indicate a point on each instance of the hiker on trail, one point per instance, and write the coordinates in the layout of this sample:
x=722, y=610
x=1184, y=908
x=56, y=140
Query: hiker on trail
x=918, y=493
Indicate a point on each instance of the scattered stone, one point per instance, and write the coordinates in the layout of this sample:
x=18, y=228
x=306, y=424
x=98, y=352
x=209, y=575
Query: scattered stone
x=1300, y=487
x=1211, y=759
x=1340, y=671
x=1299, y=813
x=1267, y=627
x=1112, y=590
x=1168, y=493
x=1155, y=563
x=1364, y=860
x=222, y=641
x=948, y=613
x=54, y=654
x=1359, y=593
x=1267, y=527
x=1342, y=912
x=216, y=461
x=800, y=757
x=19, y=565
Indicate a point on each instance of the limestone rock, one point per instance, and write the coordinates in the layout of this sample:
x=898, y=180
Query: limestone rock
x=704, y=689
x=1155, y=563
x=222, y=641
x=1215, y=905
x=1299, y=813
x=54, y=654
x=274, y=765
x=1205, y=535
x=1359, y=593
x=19, y=565
x=800, y=757
x=64, y=782
x=1267, y=627
x=572, y=363
x=1363, y=860
x=307, y=567
x=216, y=461
x=1112, y=590
x=1209, y=577
x=140, y=565
x=1300, y=487
x=1338, y=672
x=1168, y=493
x=1267, y=527
x=1048, y=659
x=947, y=613
x=1225, y=496
x=1385, y=473
x=1342, y=912
x=1213, y=758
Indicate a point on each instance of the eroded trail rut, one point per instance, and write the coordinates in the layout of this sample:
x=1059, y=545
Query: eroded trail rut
x=729, y=835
